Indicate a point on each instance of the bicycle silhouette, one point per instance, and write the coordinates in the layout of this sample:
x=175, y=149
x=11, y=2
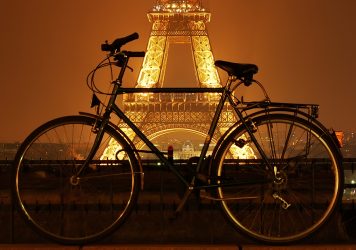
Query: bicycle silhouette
x=288, y=189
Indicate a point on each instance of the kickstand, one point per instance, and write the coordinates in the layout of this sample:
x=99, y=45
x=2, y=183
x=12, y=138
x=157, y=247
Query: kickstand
x=182, y=203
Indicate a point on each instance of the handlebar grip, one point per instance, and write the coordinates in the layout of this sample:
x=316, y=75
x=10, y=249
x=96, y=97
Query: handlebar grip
x=122, y=41
x=135, y=53
x=116, y=45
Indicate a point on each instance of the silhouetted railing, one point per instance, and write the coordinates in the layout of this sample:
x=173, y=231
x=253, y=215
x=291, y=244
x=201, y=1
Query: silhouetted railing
x=349, y=166
x=157, y=199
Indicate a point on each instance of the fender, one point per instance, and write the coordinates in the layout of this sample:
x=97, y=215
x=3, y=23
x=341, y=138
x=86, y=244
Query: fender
x=266, y=111
x=127, y=139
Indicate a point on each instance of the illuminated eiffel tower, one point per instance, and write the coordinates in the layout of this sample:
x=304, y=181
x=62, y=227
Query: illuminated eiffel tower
x=176, y=21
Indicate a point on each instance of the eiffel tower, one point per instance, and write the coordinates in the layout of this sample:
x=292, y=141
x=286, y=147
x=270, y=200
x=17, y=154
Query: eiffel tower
x=176, y=21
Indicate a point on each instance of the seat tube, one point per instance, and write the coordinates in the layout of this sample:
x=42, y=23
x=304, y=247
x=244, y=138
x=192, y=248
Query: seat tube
x=212, y=128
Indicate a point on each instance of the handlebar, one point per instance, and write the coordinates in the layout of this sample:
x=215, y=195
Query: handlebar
x=118, y=43
x=115, y=49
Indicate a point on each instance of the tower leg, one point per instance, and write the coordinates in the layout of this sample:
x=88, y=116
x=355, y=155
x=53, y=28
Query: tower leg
x=153, y=66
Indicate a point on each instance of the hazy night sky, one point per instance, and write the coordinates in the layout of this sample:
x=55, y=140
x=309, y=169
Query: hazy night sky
x=305, y=49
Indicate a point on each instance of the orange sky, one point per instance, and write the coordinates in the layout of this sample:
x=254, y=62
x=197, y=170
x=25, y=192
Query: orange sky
x=305, y=50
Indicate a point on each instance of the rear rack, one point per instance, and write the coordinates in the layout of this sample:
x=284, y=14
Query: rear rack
x=311, y=109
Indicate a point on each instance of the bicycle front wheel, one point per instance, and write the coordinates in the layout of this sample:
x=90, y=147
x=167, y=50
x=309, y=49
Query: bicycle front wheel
x=82, y=210
x=290, y=194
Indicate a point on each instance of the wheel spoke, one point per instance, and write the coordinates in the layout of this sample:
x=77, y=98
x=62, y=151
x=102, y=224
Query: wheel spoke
x=74, y=211
x=302, y=192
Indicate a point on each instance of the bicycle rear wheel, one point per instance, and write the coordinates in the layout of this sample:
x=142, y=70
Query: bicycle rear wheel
x=66, y=211
x=294, y=195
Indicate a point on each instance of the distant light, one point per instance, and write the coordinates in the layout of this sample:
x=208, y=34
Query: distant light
x=340, y=137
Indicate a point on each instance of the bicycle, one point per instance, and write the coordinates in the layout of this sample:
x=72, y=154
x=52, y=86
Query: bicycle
x=68, y=192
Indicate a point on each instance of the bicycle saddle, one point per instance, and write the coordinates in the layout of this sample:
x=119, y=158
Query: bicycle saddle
x=240, y=70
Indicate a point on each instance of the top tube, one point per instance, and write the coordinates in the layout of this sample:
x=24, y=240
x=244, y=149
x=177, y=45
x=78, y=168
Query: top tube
x=170, y=90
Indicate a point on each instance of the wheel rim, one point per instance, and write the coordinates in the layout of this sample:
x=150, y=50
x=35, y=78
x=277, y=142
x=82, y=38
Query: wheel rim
x=293, y=203
x=65, y=210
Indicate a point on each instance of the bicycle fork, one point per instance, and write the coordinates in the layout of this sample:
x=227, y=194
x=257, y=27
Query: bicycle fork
x=98, y=129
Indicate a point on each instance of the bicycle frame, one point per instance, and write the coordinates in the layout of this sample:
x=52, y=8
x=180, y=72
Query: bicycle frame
x=226, y=95
x=151, y=146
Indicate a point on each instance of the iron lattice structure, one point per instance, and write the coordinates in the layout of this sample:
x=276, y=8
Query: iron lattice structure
x=176, y=22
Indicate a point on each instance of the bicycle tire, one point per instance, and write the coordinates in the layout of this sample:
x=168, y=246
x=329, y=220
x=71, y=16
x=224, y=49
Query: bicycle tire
x=82, y=212
x=293, y=199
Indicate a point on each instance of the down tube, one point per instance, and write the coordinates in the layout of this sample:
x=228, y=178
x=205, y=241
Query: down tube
x=154, y=149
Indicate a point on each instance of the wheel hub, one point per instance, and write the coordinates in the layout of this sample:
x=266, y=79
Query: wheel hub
x=280, y=179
